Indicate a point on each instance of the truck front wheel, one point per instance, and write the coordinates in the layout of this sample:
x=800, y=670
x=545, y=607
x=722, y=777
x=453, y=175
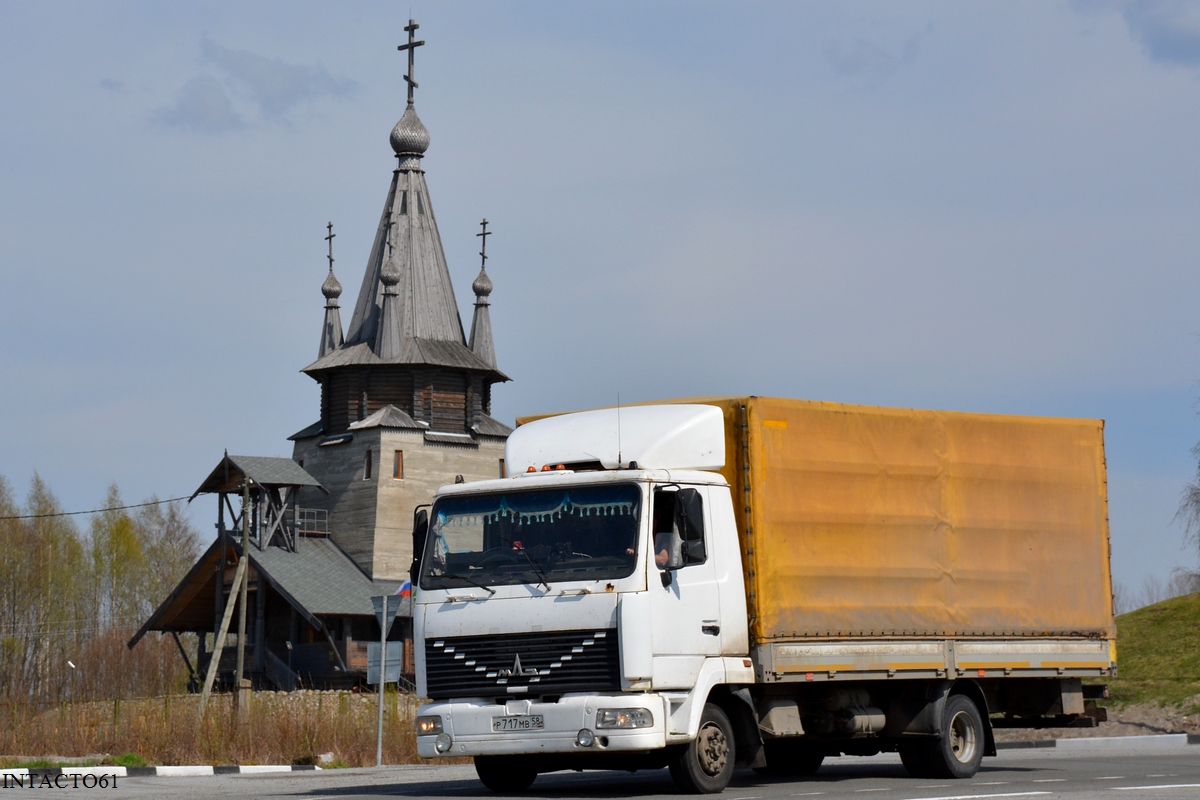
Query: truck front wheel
x=958, y=751
x=705, y=765
x=505, y=773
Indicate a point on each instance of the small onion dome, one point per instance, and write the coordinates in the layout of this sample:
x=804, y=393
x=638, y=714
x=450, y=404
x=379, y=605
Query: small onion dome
x=482, y=284
x=410, y=137
x=390, y=274
x=331, y=288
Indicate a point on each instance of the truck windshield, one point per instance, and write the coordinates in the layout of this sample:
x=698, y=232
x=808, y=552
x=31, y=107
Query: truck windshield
x=581, y=533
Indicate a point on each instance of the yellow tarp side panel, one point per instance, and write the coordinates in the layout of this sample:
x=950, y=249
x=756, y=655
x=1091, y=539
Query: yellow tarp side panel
x=874, y=521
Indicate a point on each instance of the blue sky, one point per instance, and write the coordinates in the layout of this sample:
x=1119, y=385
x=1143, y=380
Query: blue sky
x=973, y=206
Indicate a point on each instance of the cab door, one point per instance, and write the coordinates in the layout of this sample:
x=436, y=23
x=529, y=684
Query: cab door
x=684, y=601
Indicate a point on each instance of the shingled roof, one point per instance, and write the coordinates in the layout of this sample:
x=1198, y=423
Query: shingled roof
x=265, y=471
x=318, y=579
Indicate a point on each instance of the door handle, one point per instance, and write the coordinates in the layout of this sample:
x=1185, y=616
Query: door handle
x=711, y=630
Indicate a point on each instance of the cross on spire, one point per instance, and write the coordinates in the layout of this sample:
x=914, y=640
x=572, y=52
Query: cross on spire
x=411, y=47
x=329, y=239
x=483, y=253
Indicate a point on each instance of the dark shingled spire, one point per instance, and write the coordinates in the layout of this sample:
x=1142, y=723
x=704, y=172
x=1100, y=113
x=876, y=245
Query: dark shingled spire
x=405, y=344
x=481, y=343
x=331, y=330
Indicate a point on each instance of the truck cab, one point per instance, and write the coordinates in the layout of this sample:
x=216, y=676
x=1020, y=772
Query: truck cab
x=580, y=613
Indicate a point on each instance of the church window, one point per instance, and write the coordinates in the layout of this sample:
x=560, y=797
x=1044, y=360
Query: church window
x=404, y=202
x=367, y=467
x=420, y=205
x=398, y=465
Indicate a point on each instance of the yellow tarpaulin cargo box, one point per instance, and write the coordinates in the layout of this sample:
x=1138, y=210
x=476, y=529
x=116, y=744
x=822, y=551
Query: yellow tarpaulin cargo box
x=861, y=521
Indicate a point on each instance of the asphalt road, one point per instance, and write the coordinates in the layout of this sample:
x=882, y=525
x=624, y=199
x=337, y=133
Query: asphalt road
x=1109, y=771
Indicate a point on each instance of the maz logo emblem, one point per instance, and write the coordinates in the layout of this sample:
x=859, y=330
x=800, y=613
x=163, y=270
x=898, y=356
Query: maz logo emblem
x=516, y=670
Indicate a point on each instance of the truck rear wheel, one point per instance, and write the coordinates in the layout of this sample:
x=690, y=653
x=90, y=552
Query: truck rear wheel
x=790, y=757
x=705, y=764
x=505, y=773
x=958, y=751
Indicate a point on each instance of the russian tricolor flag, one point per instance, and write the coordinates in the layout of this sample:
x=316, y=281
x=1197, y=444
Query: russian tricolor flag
x=405, y=589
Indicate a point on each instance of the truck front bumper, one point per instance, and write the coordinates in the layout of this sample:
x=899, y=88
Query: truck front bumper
x=469, y=726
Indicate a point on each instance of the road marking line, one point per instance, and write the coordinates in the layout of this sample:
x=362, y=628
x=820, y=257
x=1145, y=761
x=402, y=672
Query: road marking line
x=1049, y=780
x=1110, y=778
x=884, y=789
x=807, y=794
x=1160, y=786
x=934, y=786
x=978, y=796
x=991, y=783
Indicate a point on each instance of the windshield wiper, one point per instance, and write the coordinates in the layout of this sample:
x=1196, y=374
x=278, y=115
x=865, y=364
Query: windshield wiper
x=538, y=567
x=532, y=561
x=474, y=582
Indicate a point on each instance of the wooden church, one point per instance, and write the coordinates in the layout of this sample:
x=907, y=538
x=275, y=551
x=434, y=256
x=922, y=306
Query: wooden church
x=405, y=408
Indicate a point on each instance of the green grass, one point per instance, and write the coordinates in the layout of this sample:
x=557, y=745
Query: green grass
x=43, y=763
x=1158, y=654
x=130, y=760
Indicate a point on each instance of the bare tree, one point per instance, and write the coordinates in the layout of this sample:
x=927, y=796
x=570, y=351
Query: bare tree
x=1189, y=505
x=1121, y=600
x=69, y=602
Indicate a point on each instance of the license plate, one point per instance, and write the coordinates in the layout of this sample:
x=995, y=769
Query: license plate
x=530, y=722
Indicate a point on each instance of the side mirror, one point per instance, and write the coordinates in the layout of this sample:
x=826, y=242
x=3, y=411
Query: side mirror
x=420, y=530
x=689, y=521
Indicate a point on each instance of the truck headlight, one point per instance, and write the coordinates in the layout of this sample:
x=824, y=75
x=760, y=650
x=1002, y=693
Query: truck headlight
x=428, y=726
x=624, y=718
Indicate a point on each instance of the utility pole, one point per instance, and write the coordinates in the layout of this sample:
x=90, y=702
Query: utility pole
x=383, y=632
x=243, y=590
x=219, y=644
x=385, y=612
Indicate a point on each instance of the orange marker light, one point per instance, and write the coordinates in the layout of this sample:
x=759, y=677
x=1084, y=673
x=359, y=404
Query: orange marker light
x=560, y=466
x=531, y=468
x=545, y=467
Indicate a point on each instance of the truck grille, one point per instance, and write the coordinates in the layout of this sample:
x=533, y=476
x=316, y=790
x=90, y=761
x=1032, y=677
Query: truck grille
x=522, y=664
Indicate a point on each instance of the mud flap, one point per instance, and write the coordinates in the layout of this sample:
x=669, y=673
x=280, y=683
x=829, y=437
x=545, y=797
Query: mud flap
x=918, y=711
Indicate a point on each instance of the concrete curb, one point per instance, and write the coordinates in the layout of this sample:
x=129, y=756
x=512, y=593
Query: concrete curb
x=153, y=772
x=1153, y=740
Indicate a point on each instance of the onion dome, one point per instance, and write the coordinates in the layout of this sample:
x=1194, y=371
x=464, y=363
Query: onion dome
x=482, y=285
x=331, y=288
x=410, y=137
x=390, y=274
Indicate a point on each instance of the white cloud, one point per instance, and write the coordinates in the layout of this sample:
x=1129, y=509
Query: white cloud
x=1168, y=30
x=273, y=85
x=870, y=60
x=202, y=105
x=253, y=88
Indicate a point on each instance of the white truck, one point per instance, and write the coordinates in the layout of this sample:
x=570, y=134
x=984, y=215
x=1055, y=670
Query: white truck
x=755, y=582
